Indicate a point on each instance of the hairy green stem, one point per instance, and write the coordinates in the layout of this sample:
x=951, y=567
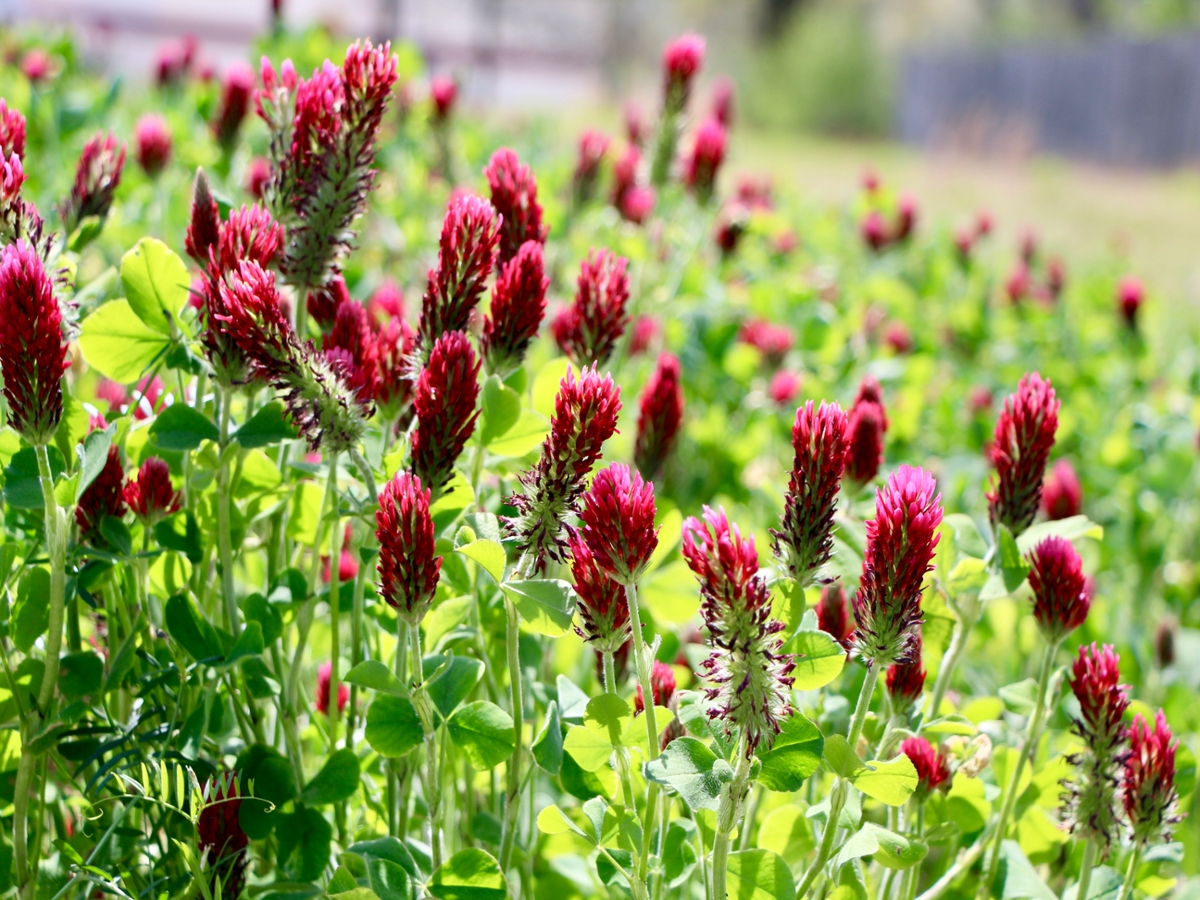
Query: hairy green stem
x=961, y=865
x=1085, y=870
x=967, y=617
x=516, y=702
x=433, y=774
x=727, y=817
x=335, y=603
x=1135, y=860
x=224, y=538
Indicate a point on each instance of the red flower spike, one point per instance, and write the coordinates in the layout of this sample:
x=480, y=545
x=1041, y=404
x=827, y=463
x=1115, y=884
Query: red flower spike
x=386, y=303
x=324, y=302
x=906, y=218
x=593, y=147
x=358, y=363
x=731, y=228
x=785, y=385
x=1130, y=296
x=149, y=495
x=708, y=152
x=236, y=91
x=1102, y=699
x=637, y=204
x=33, y=344
x=258, y=173
x=865, y=430
x=408, y=567
x=204, y=229
x=645, y=330
x=324, y=681
x=37, y=66
x=723, y=101
x=933, y=768
x=222, y=841
x=443, y=91
x=659, y=417
x=153, y=144
x=603, y=607
x=618, y=522
x=1062, y=495
x=1023, y=439
x=636, y=128
x=445, y=399
x=96, y=178
x=585, y=416
x=662, y=686
x=771, y=340
x=514, y=195
x=1056, y=277
x=12, y=131
x=750, y=677
x=681, y=62
x=588, y=330
x=1150, y=796
x=874, y=231
x=901, y=540
x=395, y=344
x=1060, y=593
x=833, y=613
x=466, y=255
x=518, y=306
x=103, y=497
x=905, y=682
x=804, y=541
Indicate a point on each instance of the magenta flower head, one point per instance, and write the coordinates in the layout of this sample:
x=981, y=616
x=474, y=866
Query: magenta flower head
x=323, y=302
x=1150, y=795
x=602, y=605
x=865, y=431
x=103, y=497
x=708, y=152
x=395, y=343
x=681, y=62
x=618, y=522
x=1090, y=800
x=751, y=679
x=1060, y=593
x=12, y=131
x=906, y=217
x=222, y=842
x=933, y=769
x=901, y=540
x=593, y=147
x=660, y=416
x=443, y=92
x=588, y=330
x=351, y=344
x=446, y=404
x=96, y=178
x=149, y=495
x=236, y=91
x=250, y=234
x=204, y=228
x=466, y=255
x=1062, y=495
x=585, y=416
x=636, y=204
x=408, y=567
x=33, y=344
x=833, y=613
x=153, y=144
x=258, y=173
x=771, y=340
x=1024, y=437
x=514, y=195
x=662, y=687
x=1130, y=297
x=722, y=101
x=804, y=541
x=874, y=230
x=324, y=682
x=518, y=306
x=905, y=682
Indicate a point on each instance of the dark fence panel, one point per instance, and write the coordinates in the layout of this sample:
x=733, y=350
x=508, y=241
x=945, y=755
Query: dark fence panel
x=1115, y=100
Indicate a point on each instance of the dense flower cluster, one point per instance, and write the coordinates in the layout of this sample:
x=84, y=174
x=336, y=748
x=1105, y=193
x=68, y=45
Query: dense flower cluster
x=1149, y=784
x=153, y=144
x=659, y=416
x=833, y=613
x=602, y=605
x=865, y=431
x=236, y=91
x=222, y=841
x=933, y=768
x=708, y=152
x=518, y=305
x=905, y=681
x=408, y=566
x=324, y=683
x=1024, y=436
x=1060, y=594
x=514, y=196
x=149, y=495
x=1062, y=494
x=445, y=400
x=587, y=331
x=593, y=148
x=105, y=496
x=466, y=255
x=97, y=175
x=681, y=63
x=662, y=687
x=618, y=522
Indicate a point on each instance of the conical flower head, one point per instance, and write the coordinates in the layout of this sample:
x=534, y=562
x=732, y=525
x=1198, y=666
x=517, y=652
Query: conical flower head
x=662, y=687
x=1095, y=681
x=97, y=175
x=708, y=152
x=236, y=91
x=1060, y=594
x=408, y=567
x=514, y=195
x=602, y=605
x=933, y=769
x=618, y=522
x=865, y=431
x=220, y=836
x=323, y=302
x=833, y=613
x=1150, y=796
x=153, y=144
x=204, y=227
x=446, y=404
x=804, y=541
x=149, y=495
x=750, y=677
x=518, y=305
x=324, y=683
x=395, y=343
x=901, y=540
x=353, y=339
x=905, y=681
x=12, y=131
x=588, y=330
x=585, y=416
x=103, y=497
x=681, y=62
x=660, y=416
x=1024, y=437
x=33, y=344
x=1062, y=494
x=593, y=147
x=466, y=255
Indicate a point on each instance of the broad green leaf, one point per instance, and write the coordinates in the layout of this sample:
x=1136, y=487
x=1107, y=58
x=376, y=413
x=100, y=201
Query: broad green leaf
x=793, y=757
x=484, y=732
x=786, y=831
x=966, y=803
x=256, y=609
x=268, y=426
x=547, y=607
x=118, y=345
x=889, y=849
x=445, y=617
x=841, y=758
x=337, y=780
x=393, y=726
x=966, y=534
x=31, y=613
x=500, y=408
x=1105, y=885
x=371, y=673
x=249, y=643
x=471, y=874
x=553, y=820
x=305, y=838
x=694, y=771
x=525, y=436
x=156, y=284
x=1071, y=528
x=80, y=675
x=967, y=577
x=389, y=880
x=1016, y=878
x=488, y=554
x=180, y=427
x=547, y=747
x=188, y=542
x=546, y=383
x=669, y=592
x=759, y=875
x=191, y=630
x=591, y=751
x=22, y=483
x=93, y=456
x=819, y=659
x=458, y=677
x=341, y=881
x=788, y=603
x=891, y=782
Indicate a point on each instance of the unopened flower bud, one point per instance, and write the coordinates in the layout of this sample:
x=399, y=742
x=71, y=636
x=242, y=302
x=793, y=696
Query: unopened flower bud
x=659, y=417
x=1022, y=442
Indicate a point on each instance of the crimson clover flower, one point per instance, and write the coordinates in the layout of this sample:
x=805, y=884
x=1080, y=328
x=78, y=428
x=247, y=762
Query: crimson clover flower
x=324, y=682
x=258, y=173
x=1062, y=495
x=681, y=62
x=204, y=226
x=445, y=399
x=1024, y=436
x=33, y=344
x=588, y=330
x=443, y=91
x=1149, y=784
x=602, y=605
x=901, y=540
x=771, y=340
x=585, y=416
x=833, y=613
x=236, y=91
x=1060, y=594
x=933, y=768
x=222, y=841
x=105, y=496
x=518, y=305
x=662, y=686
x=351, y=344
x=708, y=152
x=322, y=146
x=751, y=679
x=97, y=175
x=905, y=681
x=864, y=433
x=659, y=416
x=324, y=302
x=593, y=147
x=408, y=566
x=618, y=522
x=514, y=196
x=633, y=200
x=466, y=255
x=153, y=144
x=395, y=342
x=804, y=540
x=1130, y=297
x=149, y=495
x=1090, y=799
x=12, y=130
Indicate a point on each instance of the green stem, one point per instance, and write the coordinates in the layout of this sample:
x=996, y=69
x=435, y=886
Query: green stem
x=1130, y=875
x=961, y=865
x=224, y=538
x=642, y=660
x=335, y=603
x=433, y=775
x=516, y=702
x=727, y=817
x=967, y=617
x=355, y=656
x=1085, y=870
